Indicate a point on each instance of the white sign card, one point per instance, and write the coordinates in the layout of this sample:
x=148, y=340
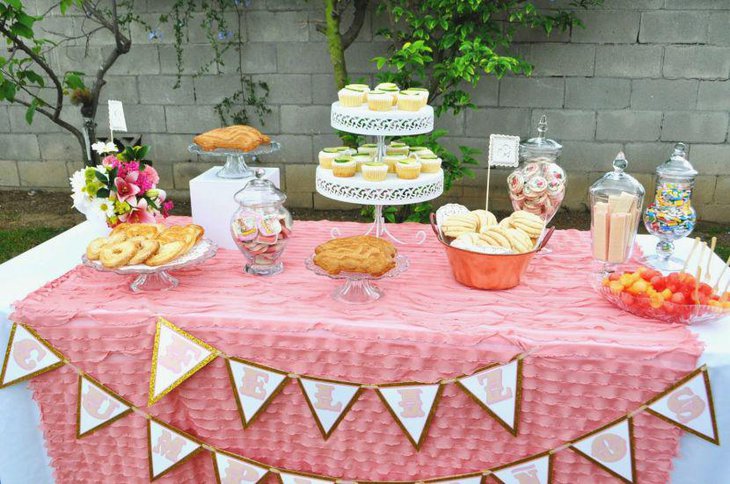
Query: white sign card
x=254, y=386
x=27, y=355
x=116, y=116
x=536, y=470
x=232, y=469
x=167, y=448
x=412, y=406
x=329, y=401
x=497, y=389
x=612, y=448
x=97, y=406
x=504, y=150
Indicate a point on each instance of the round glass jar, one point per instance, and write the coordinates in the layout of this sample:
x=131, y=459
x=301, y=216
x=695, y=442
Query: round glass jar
x=616, y=200
x=671, y=215
x=538, y=184
x=261, y=226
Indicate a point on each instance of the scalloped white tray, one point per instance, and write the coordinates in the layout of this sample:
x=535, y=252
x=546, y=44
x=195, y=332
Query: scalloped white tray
x=361, y=120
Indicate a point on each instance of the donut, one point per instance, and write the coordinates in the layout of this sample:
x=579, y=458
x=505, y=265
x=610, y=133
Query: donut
x=167, y=252
x=147, y=248
x=118, y=254
x=95, y=246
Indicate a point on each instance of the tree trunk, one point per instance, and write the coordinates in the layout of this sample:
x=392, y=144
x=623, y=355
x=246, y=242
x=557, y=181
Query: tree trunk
x=334, y=43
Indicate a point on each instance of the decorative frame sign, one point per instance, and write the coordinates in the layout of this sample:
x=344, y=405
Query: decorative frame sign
x=504, y=150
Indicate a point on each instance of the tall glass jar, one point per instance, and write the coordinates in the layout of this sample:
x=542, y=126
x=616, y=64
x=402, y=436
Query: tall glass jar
x=671, y=215
x=261, y=226
x=538, y=184
x=616, y=200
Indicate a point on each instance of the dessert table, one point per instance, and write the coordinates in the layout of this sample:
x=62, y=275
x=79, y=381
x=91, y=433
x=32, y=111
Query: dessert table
x=426, y=328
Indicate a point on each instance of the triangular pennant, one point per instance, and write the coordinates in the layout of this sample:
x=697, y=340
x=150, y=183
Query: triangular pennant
x=475, y=478
x=97, y=406
x=688, y=405
x=297, y=478
x=26, y=356
x=412, y=406
x=168, y=448
x=233, y=469
x=497, y=389
x=254, y=386
x=611, y=447
x=535, y=470
x=176, y=356
x=329, y=401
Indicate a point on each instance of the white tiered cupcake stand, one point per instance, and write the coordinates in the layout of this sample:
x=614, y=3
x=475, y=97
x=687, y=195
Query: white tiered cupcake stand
x=393, y=190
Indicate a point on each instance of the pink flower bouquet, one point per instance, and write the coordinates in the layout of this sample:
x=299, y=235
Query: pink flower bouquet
x=123, y=188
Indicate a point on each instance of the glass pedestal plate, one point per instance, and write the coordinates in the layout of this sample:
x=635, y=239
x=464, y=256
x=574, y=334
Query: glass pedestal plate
x=235, y=165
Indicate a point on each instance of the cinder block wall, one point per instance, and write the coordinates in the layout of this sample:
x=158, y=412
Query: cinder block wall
x=642, y=75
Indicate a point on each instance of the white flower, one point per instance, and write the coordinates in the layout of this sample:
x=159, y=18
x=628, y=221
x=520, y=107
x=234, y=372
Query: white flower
x=102, y=207
x=103, y=148
x=78, y=181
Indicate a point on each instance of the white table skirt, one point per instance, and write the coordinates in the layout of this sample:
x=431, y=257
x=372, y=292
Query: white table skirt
x=23, y=457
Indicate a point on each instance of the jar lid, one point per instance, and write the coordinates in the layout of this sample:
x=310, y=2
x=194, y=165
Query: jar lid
x=259, y=192
x=677, y=165
x=618, y=181
x=541, y=144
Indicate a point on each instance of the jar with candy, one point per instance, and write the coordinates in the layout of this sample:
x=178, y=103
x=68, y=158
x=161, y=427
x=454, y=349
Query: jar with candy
x=671, y=215
x=261, y=226
x=616, y=201
x=538, y=184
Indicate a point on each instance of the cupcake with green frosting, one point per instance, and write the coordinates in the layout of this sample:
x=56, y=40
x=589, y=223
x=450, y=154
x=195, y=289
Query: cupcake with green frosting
x=429, y=163
x=351, y=97
x=391, y=89
x=327, y=156
x=344, y=166
x=369, y=148
x=408, y=169
x=374, y=171
x=397, y=148
x=361, y=158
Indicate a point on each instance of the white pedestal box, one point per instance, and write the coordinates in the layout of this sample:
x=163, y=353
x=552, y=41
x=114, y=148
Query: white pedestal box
x=211, y=199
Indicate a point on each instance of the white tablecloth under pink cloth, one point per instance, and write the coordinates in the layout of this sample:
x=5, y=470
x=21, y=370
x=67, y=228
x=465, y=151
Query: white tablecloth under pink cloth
x=589, y=363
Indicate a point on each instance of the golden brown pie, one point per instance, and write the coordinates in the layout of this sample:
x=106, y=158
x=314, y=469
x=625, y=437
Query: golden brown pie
x=236, y=137
x=360, y=254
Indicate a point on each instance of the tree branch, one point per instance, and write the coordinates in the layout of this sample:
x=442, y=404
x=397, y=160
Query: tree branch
x=361, y=7
x=60, y=122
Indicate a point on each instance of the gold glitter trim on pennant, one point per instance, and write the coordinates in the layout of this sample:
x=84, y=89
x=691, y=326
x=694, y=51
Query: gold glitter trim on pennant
x=176, y=431
x=347, y=408
x=459, y=476
x=40, y=340
x=268, y=400
x=518, y=394
x=549, y=455
x=632, y=448
x=429, y=417
x=303, y=474
x=252, y=462
x=152, y=399
x=110, y=394
x=715, y=439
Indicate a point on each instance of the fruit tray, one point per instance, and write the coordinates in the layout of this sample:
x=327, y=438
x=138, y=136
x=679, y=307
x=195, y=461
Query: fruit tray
x=674, y=298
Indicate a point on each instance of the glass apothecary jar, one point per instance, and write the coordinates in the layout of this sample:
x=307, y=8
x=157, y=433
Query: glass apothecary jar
x=261, y=226
x=671, y=215
x=616, y=200
x=538, y=184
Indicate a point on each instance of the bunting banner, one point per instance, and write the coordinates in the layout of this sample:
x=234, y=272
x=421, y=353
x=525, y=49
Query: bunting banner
x=688, y=405
x=233, y=469
x=497, y=389
x=254, y=386
x=26, y=356
x=611, y=447
x=412, y=406
x=533, y=470
x=97, y=406
x=329, y=401
x=176, y=356
x=168, y=447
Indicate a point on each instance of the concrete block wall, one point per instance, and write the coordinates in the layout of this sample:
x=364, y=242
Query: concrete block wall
x=641, y=76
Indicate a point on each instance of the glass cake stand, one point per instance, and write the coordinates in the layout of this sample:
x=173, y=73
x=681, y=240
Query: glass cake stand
x=235, y=166
x=158, y=278
x=358, y=287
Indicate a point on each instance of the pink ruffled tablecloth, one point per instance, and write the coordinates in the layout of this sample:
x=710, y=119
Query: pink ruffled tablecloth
x=590, y=363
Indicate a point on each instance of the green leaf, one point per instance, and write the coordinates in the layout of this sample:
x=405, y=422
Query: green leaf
x=16, y=4
x=31, y=111
x=7, y=91
x=102, y=193
x=21, y=30
x=73, y=80
x=101, y=177
x=34, y=77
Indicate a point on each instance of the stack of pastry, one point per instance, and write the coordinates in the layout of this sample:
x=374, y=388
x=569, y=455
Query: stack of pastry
x=478, y=231
x=361, y=254
x=236, y=137
x=148, y=244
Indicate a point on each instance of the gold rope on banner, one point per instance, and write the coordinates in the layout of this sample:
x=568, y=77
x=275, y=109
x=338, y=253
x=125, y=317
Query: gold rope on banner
x=485, y=472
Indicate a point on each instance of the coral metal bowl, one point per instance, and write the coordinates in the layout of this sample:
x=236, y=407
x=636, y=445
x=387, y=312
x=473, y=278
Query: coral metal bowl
x=488, y=271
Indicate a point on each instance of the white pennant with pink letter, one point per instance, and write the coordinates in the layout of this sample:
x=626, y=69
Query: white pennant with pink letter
x=611, y=447
x=294, y=478
x=168, y=448
x=254, y=386
x=97, y=406
x=463, y=479
x=232, y=469
x=412, y=406
x=176, y=356
x=497, y=390
x=329, y=401
x=532, y=471
x=689, y=406
x=27, y=355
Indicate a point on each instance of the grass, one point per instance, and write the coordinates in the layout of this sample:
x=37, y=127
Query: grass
x=17, y=241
